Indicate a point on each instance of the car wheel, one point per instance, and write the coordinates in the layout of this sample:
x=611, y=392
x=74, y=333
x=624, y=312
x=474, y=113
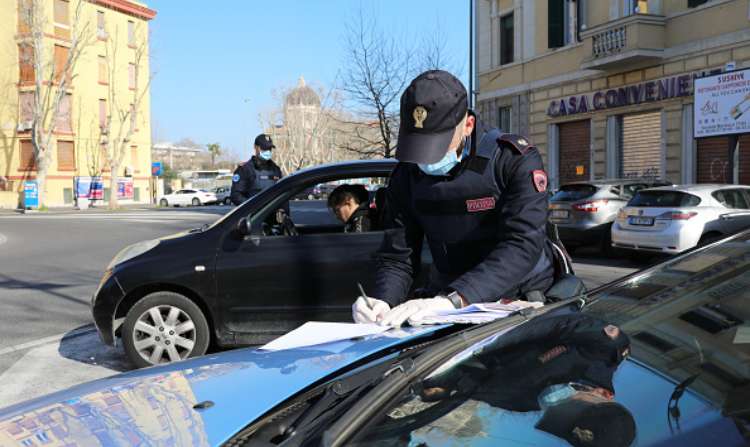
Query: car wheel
x=164, y=203
x=196, y=201
x=164, y=327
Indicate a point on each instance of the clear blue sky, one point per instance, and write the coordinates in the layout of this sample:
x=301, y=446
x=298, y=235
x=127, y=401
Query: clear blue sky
x=209, y=57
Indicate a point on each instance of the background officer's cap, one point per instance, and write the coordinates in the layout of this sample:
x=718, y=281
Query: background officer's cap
x=264, y=142
x=431, y=107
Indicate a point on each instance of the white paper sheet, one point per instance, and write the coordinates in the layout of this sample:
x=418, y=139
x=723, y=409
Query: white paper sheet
x=477, y=313
x=316, y=332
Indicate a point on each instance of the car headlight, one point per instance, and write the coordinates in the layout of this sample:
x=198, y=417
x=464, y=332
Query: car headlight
x=132, y=251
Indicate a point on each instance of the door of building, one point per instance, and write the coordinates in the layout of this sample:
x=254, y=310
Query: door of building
x=575, y=152
x=641, y=145
x=712, y=164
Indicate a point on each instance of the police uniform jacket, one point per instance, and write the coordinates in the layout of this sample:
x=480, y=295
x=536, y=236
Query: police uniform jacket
x=253, y=177
x=484, y=224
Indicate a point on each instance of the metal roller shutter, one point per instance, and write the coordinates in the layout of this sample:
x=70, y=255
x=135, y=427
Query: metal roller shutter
x=713, y=160
x=641, y=145
x=745, y=159
x=575, y=142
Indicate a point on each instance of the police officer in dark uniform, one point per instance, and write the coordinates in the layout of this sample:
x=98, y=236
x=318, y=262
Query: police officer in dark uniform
x=477, y=195
x=259, y=173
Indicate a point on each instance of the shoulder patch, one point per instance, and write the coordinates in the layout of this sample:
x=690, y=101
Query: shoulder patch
x=236, y=178
x=539, y=177
x=517, y=142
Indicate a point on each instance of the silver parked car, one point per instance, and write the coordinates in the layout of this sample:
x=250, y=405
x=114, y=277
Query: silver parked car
x=222, y=195
x=676, y=218
x=584, y=211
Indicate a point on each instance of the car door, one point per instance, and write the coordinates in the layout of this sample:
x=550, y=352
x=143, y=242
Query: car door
x=737, y=215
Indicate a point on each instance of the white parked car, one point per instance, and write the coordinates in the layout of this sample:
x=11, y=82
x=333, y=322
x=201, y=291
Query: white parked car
x=672, y=219
x=185, y=197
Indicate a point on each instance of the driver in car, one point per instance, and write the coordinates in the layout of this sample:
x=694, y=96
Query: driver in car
x=350, y=204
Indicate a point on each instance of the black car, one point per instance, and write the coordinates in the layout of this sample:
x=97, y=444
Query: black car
x=261, y=270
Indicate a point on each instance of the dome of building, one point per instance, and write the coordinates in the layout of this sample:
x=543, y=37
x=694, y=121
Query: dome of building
x=302, y=95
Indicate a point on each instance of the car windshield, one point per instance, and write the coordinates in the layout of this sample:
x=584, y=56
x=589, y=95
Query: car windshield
x=664, y=199
x=571, y=193
x=672, y=337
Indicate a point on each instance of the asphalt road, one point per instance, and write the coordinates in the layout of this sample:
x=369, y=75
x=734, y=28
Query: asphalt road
x=51, y=263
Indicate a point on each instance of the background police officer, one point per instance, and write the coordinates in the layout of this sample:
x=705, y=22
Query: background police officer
x=259, y=173
x=478, y=197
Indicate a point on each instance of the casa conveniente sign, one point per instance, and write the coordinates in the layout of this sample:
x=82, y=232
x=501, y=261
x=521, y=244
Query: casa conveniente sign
x=644, y=92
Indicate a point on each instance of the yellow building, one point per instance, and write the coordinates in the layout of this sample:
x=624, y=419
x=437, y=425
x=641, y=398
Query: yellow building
x=605, y=87
x=107, y=79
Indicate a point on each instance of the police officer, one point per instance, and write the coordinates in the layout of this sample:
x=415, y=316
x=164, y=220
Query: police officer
x=259, y=173
x=477, y=195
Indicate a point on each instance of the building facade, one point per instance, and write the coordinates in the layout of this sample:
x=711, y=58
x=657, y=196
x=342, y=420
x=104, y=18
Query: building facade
x=179, y=157
x=604, y=88
x=107, y=89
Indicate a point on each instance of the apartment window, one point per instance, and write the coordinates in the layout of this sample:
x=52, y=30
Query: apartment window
x=503, y=118
x=27, y=161
x=26, y=64
x=506, y=39
x=562, y=22
x=63, y=118
x=61, y=60
x=66, y=156
x=100, y=25
x=131, y=33
x=103, y=77
x=62, y=12
x=25, y=108
x=102, y=113
x=131, y=76
x=24, y=15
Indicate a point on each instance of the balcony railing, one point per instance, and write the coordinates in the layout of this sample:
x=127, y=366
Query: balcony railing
x=609, y=42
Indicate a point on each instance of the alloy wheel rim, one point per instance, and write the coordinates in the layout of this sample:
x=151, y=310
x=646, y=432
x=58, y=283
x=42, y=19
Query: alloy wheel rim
x=164, y=334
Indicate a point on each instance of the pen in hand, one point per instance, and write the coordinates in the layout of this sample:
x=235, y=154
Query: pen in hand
x=364, y=295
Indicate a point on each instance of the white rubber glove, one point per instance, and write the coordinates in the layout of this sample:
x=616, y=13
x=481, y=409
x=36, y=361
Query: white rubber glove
x=369, y=310
x=415, y=308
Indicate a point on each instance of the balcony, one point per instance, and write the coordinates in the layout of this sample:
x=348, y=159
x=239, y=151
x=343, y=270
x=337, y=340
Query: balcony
x=635, y=40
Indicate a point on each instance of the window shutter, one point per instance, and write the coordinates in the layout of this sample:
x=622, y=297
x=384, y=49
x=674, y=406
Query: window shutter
x=26, y=63
x=28, y=161
x=63, y=121
x=61, y=58
x=26, y=106
x=102, y=112
x=556, y=23
x=66, y=157
x=131, y=76
x=62, y=12
x=103, y=78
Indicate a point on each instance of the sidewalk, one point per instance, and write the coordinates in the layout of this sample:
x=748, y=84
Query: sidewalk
x=98, y=209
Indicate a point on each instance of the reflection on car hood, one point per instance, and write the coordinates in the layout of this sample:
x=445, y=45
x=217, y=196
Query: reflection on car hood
x=155, y=406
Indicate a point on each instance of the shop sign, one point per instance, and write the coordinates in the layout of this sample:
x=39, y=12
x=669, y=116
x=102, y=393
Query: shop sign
x=644, y=92
x=722, y=104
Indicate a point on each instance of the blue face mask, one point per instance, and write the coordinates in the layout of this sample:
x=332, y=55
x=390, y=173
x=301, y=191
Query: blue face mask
x=554, y=395
x=441, y=167
x=266, y=155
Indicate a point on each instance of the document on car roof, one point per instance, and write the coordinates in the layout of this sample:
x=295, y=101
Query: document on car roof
x=316, y=332
x=478, y=313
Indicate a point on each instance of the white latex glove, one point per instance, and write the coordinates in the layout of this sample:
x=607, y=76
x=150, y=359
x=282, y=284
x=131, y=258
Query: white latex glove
x=369, y=310
x=414, y=310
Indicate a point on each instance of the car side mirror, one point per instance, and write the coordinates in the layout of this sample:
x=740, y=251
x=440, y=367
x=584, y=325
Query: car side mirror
x=243, y=226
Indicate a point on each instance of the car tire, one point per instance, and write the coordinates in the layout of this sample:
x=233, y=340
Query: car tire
x=195, y=202
x=158, y=330
x=164, y=203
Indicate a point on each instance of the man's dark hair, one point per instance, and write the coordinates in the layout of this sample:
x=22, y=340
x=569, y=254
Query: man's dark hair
x=342, y=193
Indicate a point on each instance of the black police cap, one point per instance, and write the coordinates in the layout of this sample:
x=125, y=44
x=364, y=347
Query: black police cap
x=264, y=142
x=431, y=107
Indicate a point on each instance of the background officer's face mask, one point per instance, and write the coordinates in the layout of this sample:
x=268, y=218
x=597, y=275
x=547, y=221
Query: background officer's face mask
x=266, y=155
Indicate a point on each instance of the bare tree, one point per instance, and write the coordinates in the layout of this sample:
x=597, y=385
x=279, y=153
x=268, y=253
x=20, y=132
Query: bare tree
x=122, y=120
x=52, y=78
x=378, y=67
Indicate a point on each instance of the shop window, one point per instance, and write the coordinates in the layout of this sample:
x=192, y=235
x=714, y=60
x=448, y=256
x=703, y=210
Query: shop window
x=63, y=117
x=26, y=64
x=66, y=156
x=503, y=118
x=506, y=39
x=27, y=161
x=103, y=75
